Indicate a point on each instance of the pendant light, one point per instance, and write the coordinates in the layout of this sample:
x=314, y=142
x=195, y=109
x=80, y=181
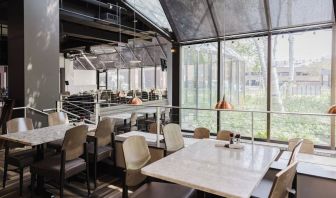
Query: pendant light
x=134, y=61
x=223, y=104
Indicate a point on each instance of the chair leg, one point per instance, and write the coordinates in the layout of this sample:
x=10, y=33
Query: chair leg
x=61, y=187
x=21, y=180
x=4, y=178
x=88, y=178
x=32, y=183
x=95, y=173
x=124, y=187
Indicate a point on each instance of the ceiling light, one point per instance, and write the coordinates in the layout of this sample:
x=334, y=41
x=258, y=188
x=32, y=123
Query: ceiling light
x=135, y=61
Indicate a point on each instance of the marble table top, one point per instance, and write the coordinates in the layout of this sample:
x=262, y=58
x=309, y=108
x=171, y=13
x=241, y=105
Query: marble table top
x=216, y=170
x=149, y=110
x=151, y=138
x=122, y=116
x=310, y=158
x=41, y=135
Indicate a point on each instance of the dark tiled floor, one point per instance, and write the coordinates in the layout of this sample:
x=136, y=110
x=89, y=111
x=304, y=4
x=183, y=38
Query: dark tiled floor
x=108, y=185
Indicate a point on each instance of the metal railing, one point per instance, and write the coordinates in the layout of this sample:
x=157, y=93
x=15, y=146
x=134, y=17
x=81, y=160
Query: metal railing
x=30, y=108
x=250, y=123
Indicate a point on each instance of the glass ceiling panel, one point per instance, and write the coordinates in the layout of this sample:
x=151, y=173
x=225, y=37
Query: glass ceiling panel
x=239, y=16
x=191, y=18
x=152, y=9
x=291, y=13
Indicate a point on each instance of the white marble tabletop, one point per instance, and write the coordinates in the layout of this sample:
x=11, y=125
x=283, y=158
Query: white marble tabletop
x=149, y=110
x=41, y=135
x=122, y=116
x=310, y=158
x=216, y=170
x=151, y=138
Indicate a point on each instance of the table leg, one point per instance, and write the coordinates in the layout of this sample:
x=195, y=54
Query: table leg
x=40, y=179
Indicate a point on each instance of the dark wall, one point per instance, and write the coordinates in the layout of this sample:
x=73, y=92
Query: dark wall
x=3, y=51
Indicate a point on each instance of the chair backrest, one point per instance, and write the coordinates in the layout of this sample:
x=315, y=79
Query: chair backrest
x=58, y=118
x=295, y=152
x=104, y=130
x=283, y=182
x=153, y=128
x=19, y=125
x=73, y=143
x=201, y=133
x=173, y=137
x=223, y=135
x=307, y=145
x=136, y=155
x=134, y=118
x=6, y=114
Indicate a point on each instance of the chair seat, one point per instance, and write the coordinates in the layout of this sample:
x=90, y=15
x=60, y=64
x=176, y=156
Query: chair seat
x=263, y=189
x=51, y=167
x=21, y=158
x=55, y=144
x=163, y=190
x=103, y=152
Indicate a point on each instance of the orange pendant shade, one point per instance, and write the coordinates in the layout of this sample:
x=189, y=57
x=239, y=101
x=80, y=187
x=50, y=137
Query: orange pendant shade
x=135, y=101
x=332, y=109
x=223, y=104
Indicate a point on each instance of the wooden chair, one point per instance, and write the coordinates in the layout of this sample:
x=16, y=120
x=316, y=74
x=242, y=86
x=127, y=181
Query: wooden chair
x=68, y=163
x=6, y=114
x=307, y=145
x=201, y=133
x=57, y=118
x=266, y=183
x=133, y=125
x=281, y=187
x=153, y=128
x=136, y=155
x=173, y=137
x=224, y=135
x=295, y=152
x=101, y=146
x=21, y=159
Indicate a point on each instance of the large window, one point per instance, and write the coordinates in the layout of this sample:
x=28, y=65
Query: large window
x=123, y=79
x=148, y=78
x=102, y=80
x=112, y=79
x=161, y=79
x=301, y=82
x=199, y=85
x=245, y=85
x=135, y=79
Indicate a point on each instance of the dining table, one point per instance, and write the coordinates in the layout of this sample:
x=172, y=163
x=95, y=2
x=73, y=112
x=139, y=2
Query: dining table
x=123, y=116
x=39, y=137
x=210, y=167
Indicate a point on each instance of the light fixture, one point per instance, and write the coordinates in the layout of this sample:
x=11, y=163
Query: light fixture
x=172, y=50
x=135, y=60
x=332, y=109
x=223, y=104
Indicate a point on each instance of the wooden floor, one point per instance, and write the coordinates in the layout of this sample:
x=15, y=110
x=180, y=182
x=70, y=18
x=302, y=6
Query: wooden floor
x=108, y=185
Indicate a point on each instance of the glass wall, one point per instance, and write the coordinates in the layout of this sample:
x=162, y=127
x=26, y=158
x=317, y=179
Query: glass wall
x=135, y=78
x=301, y=82
x=123, y=79
x=161, y=79
x=199, y=85
x=102, y=80
x=148, y=78
x=245, y=85
x=112, y=79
